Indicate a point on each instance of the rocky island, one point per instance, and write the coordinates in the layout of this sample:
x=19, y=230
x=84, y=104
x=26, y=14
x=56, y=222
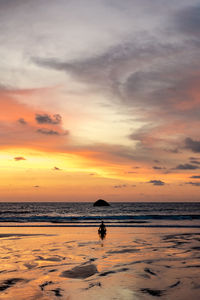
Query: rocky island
x=101, y=202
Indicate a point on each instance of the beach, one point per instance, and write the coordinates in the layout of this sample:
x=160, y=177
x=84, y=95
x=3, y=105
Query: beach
x=75, y=263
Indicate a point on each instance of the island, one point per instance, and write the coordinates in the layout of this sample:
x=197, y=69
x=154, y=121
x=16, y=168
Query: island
x=101, y=202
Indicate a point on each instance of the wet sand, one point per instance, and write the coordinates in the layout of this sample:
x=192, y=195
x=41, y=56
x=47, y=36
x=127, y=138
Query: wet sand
x=74, y=263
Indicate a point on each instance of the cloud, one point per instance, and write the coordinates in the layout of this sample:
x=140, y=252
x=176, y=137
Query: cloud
x=114, y=70
x=195, y=162
x=193, y=183
x=36, y=186
x=158, y=168
x=47, y=119
x=195, y=158
x=195, y=176
x=57, y=169
x=186, y=167
x=22, y=121
x=14, y=133
x=187, y=20
x=155, y=78
x=120, y=186
x=18, y=158
x=157, y=182
x=192, y=144
x=48, y=131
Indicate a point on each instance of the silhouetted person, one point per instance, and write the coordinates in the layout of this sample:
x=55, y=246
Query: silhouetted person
x=102, y=230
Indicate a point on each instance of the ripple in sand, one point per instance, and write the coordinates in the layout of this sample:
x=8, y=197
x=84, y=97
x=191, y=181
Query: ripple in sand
x=150, y=271
x=4, y=285
x=157, y=293
x=57, y=292
x=80, y=272
x=51, y=258
x=175, y=284
x=30, y=265
x=91, y=285
x=113, y=271
x=129, y=250
x=42, y=286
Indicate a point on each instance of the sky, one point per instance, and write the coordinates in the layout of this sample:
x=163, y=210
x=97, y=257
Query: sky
x=99, y=99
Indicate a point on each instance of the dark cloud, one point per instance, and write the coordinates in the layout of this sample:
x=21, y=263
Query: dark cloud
x=157, y=182
x=22, y=121
x=186, y=167
x=57, y=169
x=48, y=131
x=18, y=158
x=195, y=176
x=188, y=20
x=195, y=162
x=47, y=119
x=156, y=161
x=108, y=69
x=158, y=168
x=36, y=186
x=120, y=186
x=194, y=183
x=192, y=144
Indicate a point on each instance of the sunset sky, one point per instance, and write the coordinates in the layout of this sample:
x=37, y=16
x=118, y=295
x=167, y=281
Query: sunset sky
x=100, y=99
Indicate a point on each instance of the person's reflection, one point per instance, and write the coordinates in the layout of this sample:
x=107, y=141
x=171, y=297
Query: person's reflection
x=102, y=231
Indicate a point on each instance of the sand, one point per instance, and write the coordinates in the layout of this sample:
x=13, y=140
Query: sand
x=74, y=263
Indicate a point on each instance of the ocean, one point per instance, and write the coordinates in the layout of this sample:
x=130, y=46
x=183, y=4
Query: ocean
x=118, y=214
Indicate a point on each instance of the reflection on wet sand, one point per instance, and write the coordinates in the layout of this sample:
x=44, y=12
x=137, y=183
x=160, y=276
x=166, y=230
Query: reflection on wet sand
x=71, y=264
x=102, y=232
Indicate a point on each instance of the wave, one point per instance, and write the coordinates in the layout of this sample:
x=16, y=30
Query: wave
x=97, y=218
x=113, y=225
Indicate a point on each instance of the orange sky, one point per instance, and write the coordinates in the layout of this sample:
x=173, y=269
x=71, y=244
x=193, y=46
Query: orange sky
x=92, y=109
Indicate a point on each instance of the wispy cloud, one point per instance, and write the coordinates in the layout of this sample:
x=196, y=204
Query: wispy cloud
x=22, y=121
x=186, y=167
x=47, y=119
x=57, y=169
x=120, y=186
x=158, y=168
x=47, y=131
x=193, y=183
x=18, y=158
x=157, y=182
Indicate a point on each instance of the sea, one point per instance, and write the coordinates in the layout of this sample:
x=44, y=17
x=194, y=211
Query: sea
x=118, y=214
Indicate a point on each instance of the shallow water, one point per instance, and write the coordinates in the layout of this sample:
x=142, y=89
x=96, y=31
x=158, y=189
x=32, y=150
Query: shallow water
x=135, y=214
x=74, y=263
